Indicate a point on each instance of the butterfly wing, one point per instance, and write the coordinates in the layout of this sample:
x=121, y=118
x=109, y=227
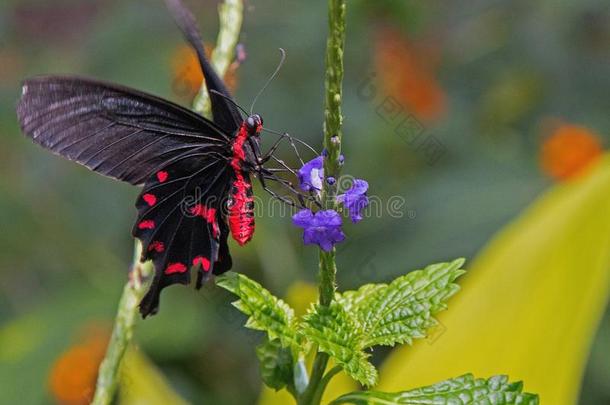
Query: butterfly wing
x=136, y=137
x=181, y=223
x=119, y=132
x=225, y=113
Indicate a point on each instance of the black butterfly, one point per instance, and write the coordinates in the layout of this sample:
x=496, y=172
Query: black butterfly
x=195, y=172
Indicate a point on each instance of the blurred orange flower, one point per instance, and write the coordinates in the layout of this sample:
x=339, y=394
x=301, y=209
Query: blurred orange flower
x=568, y=150
x=407, y=73
x=73, y=376
x=187, y=74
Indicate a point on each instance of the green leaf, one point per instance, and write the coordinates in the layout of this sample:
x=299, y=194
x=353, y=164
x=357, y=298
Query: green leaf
x=337, y=333
x=463, y=390
x=275, y=364
x=266, y=312
x=402, y=310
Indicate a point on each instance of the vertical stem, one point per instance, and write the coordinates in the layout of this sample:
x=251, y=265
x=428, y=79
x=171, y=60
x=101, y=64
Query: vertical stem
x=122, y=333
x=317, y=398
x=333, y=120
x=133, y=292
x=231, y=17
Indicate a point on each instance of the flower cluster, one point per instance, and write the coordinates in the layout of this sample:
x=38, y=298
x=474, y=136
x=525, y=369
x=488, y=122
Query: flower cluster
x=323, y=228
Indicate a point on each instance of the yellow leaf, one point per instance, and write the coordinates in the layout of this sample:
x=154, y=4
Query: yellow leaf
x=530, y=303
x=143, y=384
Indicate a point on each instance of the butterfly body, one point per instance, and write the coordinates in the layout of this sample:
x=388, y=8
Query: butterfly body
x=246, y=156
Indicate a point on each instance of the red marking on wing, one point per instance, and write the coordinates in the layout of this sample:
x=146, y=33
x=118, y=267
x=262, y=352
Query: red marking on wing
x=147, y=224
x=157, y=246
x=205, y=262
x=209, y=214
x=175, y=268
x=198, y=210
x=150, y=199
x=162, y=176
x=215, y=229
x=241, y=208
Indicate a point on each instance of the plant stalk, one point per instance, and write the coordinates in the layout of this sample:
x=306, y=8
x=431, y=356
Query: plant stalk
x=333, y=120
x=133, y=292
x=231, y=16
x=324, y=383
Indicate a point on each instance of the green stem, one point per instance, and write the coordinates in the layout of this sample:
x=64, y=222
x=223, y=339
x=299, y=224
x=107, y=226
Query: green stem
x=333, y=120
x=324, y=382
x=231, y=15
x=133, y=292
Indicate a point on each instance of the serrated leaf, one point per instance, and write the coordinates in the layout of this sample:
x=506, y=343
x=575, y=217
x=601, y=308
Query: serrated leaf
x=402, y=310
x=265, y=311
x=275, y=364
x=463, y=390
x=337, y=333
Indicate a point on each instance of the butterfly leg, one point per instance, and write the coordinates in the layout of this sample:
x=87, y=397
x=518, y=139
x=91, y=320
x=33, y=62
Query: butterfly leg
x=265, y=158
x=266, y=174
x=296, y=151
x=285, y=135
x=284, y=165
x=294, y=139
x=274, y=194
x=277, y=170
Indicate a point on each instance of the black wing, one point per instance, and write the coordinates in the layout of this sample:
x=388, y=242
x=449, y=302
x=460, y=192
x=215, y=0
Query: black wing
x=225, y=113
x=117, y=131
x=182, y=223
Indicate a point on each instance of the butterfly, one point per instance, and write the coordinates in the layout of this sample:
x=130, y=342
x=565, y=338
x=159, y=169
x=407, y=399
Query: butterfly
x=195, y=172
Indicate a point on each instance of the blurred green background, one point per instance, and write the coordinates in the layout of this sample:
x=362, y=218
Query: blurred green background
x=485, y=80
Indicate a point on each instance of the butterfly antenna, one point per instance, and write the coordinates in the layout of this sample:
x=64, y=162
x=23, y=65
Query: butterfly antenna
x=229, y=99
x=275, y=73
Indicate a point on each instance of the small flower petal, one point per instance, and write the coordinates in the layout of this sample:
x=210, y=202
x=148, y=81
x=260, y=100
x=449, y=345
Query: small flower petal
x=326, y=244
x=359, y=186
x=303, y=218
x=355, y=199
x=322, y=228
x=327, y=218
x=310, y=236
x=311, y=174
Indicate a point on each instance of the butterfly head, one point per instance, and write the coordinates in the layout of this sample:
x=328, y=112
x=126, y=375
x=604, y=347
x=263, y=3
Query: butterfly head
x=254, y=124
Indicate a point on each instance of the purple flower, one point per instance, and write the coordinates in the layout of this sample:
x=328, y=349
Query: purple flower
x=355, y=199
x=322, y=228
x=312, y=174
